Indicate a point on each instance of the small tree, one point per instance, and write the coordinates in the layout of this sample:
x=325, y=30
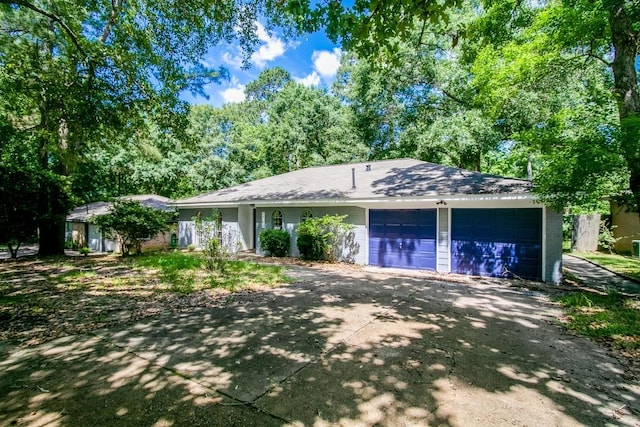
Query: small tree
x=218, y=245
x=320, y=238
x=131, y=222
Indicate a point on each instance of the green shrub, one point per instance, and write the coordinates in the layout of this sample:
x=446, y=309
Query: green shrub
x=320, y=238
x=275, y=242
x=84, y=251
x=311, y=246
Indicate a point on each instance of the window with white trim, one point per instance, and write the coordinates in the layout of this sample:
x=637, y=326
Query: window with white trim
x=277, y=219
x=305, y=215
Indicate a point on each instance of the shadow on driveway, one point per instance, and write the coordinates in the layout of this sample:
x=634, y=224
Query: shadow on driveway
x=336, y=348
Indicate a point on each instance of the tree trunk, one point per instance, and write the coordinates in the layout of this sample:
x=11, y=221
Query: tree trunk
x=625, y=43
x=51, y=237
x=585, y=233
x=52, y=213
x=53, y=209
x=13, y=250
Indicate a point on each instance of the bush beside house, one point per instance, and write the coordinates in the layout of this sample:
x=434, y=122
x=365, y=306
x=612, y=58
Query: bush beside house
x=275, y=242
x=319, y=238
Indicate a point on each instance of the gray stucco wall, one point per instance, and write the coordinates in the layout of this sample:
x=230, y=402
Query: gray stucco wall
x=442, y=256
x=186, y=225
x=553, y=252
x=291, y=218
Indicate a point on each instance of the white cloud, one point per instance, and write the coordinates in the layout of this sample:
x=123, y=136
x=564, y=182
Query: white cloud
x=234, y=61
x=312, y=79
x=234, y=93
x=326, y=63
x=272, y=48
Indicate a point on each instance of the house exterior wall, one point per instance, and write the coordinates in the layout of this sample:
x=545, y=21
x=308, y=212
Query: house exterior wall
x=158, y=242
x=98, y=243
x=552, y=246
x=357, y=247
x=626, y=227
x=78, y=236
x=241, y=222
x=443, y=239
x=245, y=227
x=231, y=233
x=94, y=242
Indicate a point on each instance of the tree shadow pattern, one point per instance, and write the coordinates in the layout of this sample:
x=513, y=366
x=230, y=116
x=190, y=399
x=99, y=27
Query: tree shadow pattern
x=333, y=349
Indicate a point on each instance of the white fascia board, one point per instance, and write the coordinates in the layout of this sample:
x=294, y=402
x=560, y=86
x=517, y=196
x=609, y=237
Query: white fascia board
x=369, y=202
x=400, y=200
x=205, y=205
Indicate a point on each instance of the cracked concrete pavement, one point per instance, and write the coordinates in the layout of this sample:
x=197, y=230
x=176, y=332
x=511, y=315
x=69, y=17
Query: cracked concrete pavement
x=339, y=347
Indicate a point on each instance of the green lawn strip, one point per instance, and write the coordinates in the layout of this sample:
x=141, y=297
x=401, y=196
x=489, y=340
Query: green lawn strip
x=620, y=264
x=612, y=317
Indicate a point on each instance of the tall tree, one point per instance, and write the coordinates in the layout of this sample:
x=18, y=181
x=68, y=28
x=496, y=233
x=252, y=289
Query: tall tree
x=593, y=29
x=269, y=83
x=420, y=104
x=76, y=71
x=306, y=127
x=553, y=98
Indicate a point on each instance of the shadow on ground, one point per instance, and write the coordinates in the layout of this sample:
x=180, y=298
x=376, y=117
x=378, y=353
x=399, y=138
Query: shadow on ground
x=348, y=348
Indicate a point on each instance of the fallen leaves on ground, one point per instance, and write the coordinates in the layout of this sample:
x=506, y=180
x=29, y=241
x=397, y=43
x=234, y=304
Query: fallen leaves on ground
x=45, y=299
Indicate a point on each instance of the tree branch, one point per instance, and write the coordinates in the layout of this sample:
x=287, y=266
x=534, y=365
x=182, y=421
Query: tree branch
x=424, y=24
x=591, y=55
x=116, y=6
x=452, y=96
x=53, y=17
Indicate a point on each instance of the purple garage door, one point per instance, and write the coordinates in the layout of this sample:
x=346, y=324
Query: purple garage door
x=403, y=238
x=497, y=242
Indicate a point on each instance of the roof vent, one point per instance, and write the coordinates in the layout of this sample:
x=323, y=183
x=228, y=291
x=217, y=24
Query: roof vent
x=367, y=168
x=353, y=178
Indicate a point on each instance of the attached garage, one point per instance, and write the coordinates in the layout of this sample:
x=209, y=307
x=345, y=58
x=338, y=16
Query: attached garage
x=403, y=238
x=497, y=242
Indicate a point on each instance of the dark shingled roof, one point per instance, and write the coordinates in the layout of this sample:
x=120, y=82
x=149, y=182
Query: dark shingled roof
x=82, y=213
x=373, y=180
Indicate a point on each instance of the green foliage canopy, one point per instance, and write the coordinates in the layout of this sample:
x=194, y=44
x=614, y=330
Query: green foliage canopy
x=76, y=74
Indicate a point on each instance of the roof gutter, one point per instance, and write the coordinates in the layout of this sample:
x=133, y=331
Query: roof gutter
x=355, y=201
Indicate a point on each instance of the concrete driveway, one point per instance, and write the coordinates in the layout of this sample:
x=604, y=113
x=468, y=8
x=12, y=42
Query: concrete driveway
x=351, y=347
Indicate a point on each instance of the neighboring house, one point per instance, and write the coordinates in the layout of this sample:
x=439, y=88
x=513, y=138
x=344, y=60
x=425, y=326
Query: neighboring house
x=625, y=223
x=82, y=232
x=406, y=214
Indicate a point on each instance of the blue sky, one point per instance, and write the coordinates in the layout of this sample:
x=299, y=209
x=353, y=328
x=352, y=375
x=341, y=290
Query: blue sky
x=311, y=59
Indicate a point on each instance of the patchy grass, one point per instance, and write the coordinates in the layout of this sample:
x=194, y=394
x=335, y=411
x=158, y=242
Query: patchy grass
x=44, y=299
x=240, y=274
x=621, y=264
x=168, y=262
x=612, y=318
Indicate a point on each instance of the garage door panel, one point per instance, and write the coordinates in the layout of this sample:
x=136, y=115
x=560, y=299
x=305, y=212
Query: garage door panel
x=497, y=242
x=376, y=229
x=403, y=238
